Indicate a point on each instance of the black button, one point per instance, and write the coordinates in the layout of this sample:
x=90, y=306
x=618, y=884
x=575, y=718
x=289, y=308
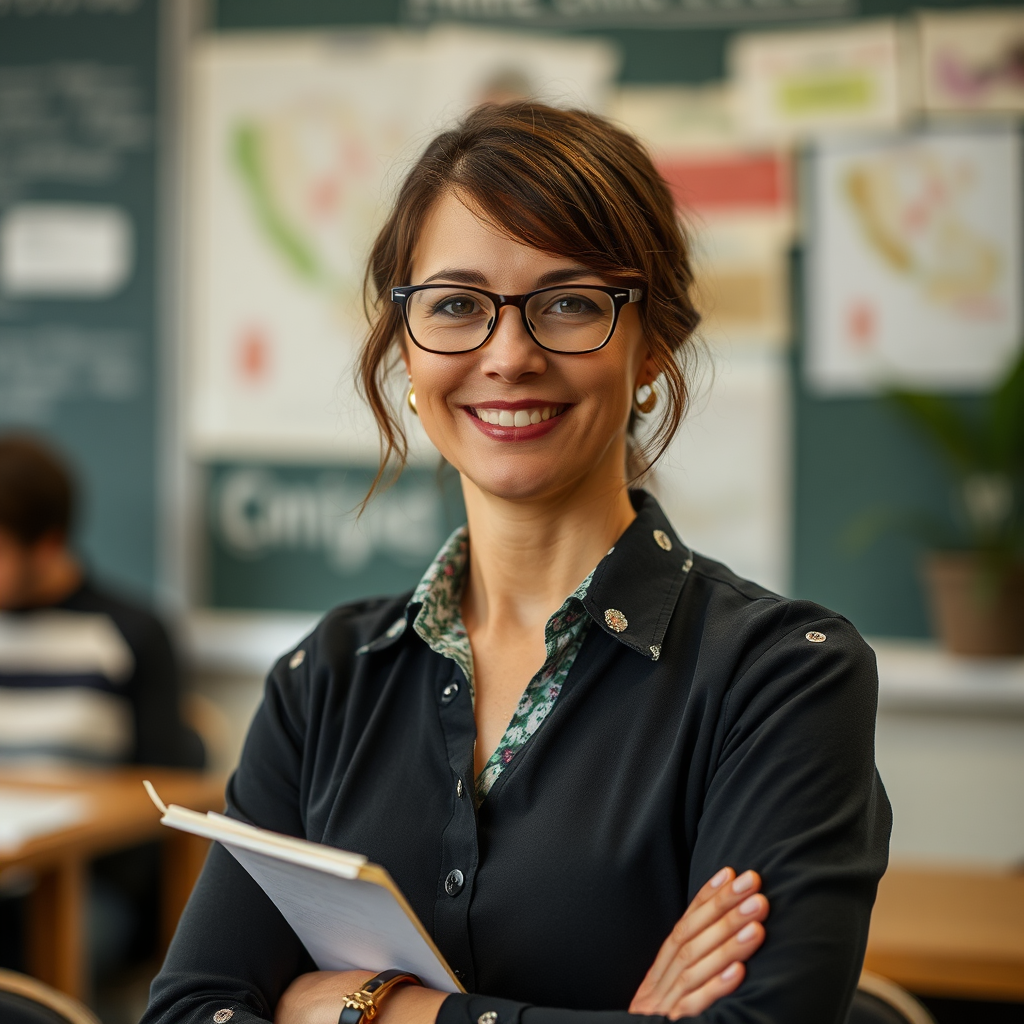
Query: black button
x=454, y=882
x=449, y=693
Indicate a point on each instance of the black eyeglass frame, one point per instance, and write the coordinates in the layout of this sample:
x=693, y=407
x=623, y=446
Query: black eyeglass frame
x=620, y=297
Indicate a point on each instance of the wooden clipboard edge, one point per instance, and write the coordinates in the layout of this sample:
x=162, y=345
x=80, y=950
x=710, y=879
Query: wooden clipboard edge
x=378, y=876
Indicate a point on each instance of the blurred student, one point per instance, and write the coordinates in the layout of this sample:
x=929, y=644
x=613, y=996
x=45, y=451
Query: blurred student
x=86, y=676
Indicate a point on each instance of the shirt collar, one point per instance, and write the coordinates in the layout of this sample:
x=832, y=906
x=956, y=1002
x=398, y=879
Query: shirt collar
x=637, y=584
x=631, y=594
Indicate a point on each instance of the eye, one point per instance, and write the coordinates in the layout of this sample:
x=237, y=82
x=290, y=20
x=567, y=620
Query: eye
x=456, y=306
x=571, y=305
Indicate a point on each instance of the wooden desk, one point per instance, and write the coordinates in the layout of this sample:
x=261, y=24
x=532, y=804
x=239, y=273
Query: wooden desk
x=950, y=933
x=121, y=815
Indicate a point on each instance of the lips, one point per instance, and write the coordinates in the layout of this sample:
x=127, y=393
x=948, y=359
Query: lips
x=518, y=421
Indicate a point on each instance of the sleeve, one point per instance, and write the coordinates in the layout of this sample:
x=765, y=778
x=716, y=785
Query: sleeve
x=233, y=950
x=792, y=793
x=161, y=737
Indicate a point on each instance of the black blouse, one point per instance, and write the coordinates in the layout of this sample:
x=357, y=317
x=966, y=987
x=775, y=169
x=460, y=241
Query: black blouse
x=724, y=725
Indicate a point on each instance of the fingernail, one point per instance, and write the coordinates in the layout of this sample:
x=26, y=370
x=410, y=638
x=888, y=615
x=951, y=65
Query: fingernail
x=744, y=882
x=720, y=879
x=746, y=933
x=750, y=905
x=730, y=972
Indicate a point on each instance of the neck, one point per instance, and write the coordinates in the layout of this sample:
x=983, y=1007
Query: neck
x=55, y=578
x=527, y=557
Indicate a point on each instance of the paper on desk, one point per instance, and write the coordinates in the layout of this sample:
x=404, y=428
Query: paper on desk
x=28, y=813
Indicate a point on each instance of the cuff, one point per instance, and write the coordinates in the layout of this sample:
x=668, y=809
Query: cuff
x=474, y=1009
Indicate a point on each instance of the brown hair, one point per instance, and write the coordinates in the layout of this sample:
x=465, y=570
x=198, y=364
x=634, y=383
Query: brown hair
x=566, y=182
x=37, y=493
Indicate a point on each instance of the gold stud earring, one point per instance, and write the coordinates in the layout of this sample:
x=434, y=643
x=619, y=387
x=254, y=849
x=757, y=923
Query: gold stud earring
x=411, y=400
x=649, y=400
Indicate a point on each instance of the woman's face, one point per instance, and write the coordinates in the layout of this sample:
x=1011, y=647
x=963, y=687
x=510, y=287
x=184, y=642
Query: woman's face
x=583, y=400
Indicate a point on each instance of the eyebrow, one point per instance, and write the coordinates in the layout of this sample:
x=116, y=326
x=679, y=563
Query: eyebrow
x=459, y=275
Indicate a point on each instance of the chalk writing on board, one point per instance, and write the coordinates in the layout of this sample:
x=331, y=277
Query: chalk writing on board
x=68, y=124
x=41, y=366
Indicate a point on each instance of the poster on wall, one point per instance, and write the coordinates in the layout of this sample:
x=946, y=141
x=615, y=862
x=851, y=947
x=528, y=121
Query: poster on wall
x=735, y=198
x=793, y=84
x=973, y=60
x=299, y=142
x=914, y=267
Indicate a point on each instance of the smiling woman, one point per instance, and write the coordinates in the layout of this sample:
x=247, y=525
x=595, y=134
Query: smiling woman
x=580, y=748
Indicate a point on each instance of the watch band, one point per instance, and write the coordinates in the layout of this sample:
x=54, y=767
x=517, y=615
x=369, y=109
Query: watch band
x=363, y=1004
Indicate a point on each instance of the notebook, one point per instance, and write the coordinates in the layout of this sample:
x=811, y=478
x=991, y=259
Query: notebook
x=347, y=912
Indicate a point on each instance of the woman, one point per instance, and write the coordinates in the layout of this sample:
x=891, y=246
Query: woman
x=550, y=825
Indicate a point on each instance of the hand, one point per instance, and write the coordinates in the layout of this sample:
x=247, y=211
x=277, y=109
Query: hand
x=316, y=998
x=703, y=957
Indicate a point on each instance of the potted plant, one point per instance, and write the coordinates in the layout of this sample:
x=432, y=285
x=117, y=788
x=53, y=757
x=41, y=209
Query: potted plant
x=975, y=580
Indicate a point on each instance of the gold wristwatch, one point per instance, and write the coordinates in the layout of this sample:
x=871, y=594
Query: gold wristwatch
x=363, y=1004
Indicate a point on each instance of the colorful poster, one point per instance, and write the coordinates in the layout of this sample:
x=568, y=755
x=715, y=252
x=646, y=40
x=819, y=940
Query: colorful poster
x=736, y=201
x=792, y=84
x=914, y=268
x=298, y=143
x=973, y=60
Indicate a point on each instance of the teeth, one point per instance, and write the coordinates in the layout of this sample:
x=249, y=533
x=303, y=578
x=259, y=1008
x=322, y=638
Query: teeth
x=519, y=418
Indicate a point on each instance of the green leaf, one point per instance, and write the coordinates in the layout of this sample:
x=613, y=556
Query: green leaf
x=1006, y=420
x=946, y=427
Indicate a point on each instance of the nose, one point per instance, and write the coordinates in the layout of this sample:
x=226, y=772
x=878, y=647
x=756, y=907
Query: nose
x=511, y=353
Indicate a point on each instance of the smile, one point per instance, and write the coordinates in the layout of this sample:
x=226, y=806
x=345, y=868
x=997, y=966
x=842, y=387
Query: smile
x=517, y=418
x=526, y=423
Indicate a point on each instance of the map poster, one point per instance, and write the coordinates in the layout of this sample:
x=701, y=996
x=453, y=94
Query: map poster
x=792, y=84
x=298, y=143
x=973, y=60
x=914, y=266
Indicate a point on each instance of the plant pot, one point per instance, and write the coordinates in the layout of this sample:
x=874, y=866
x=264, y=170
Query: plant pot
x=969, y=614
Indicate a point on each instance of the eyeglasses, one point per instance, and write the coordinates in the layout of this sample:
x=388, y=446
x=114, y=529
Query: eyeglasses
x=572, y=318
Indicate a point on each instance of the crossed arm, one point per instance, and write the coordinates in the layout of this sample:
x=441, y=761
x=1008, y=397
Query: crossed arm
x=701, y=960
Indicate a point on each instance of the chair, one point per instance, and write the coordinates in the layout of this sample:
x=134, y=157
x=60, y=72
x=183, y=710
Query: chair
x=880, y=1001
x=24, y=1000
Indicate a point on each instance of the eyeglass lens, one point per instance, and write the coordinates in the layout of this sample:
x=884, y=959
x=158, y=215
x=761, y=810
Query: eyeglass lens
x=452, y=319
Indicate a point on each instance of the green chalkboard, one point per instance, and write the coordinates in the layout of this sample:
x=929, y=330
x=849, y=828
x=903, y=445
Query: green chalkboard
x=291, y=536
x=850, y=456
x=78, y=126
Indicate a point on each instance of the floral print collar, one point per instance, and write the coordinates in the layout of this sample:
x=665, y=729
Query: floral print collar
x=439, y=624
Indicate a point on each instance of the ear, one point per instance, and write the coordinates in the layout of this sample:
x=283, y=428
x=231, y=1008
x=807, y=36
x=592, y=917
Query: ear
x=403, y=351
x=647, y=372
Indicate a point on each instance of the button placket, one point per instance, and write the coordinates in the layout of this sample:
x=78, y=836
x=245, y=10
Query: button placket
x=459, y=851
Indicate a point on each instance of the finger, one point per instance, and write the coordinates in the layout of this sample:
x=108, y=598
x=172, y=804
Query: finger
x=710, y=992
x=714, y=899
x=738, y=948
x=678, y=950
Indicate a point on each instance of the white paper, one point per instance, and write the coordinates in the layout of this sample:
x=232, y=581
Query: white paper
x=791, y=84
x=299, y=144
x=64, y=250
x=29, y=813
x=914, y=267
x=345, y=922
x=725, y=480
